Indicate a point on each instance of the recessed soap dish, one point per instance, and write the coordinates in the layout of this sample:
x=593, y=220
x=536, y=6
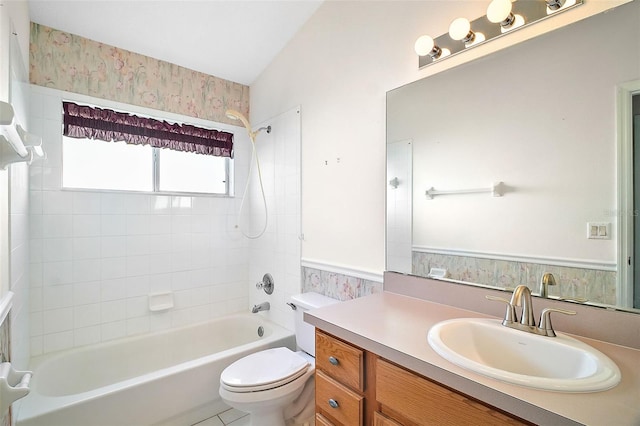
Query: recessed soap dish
x=160, y=301
x=438, y=273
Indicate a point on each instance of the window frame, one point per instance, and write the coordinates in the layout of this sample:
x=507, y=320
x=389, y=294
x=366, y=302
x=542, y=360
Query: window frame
x=228, y=169
x=155, y=156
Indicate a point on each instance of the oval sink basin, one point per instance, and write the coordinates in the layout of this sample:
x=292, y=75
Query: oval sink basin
x=560, y=363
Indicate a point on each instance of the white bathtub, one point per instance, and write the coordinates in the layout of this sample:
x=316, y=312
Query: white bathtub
x=143, y=380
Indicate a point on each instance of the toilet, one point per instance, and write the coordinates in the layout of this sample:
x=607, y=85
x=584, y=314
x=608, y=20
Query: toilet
x=276, y=384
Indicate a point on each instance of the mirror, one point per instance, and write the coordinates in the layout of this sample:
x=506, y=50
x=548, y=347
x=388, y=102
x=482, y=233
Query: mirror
x=539, y=118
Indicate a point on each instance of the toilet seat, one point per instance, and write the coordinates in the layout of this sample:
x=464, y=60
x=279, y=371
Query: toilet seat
x=267, y=369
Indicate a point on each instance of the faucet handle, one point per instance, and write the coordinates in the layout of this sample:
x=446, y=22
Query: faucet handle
x=510, y=314
x=266, y=284
x=545, y=327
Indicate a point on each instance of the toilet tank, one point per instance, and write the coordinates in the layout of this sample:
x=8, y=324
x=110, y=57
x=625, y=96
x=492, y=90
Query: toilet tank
x=305, y=333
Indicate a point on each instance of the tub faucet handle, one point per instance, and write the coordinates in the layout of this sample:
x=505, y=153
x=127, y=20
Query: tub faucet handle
x=266, y=284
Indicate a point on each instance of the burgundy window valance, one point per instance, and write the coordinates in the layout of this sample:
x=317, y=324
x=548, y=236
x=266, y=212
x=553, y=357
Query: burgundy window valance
x=81, y=121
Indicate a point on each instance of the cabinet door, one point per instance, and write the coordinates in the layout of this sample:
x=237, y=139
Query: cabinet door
x=413, y=399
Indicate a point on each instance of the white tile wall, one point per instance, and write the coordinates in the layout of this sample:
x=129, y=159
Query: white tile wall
x=96, y=256
x=278, y=250
x=19, y=268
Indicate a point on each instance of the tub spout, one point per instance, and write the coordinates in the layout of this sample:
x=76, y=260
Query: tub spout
x=261, y=307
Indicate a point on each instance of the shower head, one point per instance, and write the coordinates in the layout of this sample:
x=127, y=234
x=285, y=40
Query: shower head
x=235, y=115
x=232, y=114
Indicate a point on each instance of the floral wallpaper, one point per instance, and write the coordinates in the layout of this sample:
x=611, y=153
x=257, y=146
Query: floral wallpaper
x=337, y=286
x=75, y=64
x=572, y=283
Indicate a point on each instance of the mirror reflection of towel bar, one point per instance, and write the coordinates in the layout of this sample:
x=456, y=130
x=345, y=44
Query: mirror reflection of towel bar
x=496, y=190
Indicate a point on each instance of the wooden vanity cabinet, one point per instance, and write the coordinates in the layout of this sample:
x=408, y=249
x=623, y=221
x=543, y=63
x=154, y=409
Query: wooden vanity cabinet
x=340, y=382
x=355, y=387
x=410, y=399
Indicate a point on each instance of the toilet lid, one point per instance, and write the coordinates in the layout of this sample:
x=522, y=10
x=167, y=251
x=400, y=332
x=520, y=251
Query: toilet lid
x=264, y=370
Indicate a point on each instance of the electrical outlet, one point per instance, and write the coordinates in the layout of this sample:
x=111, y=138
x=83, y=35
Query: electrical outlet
x=599, y=230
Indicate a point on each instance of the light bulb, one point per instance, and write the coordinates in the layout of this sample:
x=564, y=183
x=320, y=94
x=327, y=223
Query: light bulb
x=460, y=29
x=499, y=11
x=424, y=45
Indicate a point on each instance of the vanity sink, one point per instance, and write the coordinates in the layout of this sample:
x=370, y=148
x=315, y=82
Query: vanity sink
x=561, y=363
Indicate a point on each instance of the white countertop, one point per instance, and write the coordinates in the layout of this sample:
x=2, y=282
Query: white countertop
x=395, y=327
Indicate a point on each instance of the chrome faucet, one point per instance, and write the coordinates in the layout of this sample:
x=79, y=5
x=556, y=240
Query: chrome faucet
x=521, y=297
x=546, y=280
x=264, y=306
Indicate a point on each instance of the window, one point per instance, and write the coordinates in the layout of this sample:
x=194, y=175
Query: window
x=103, y=149
x=189, y=172
x=95, y=164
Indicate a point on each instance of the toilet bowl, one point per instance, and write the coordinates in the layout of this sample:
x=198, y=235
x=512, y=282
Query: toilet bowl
x=276, y=384
x=265, y=382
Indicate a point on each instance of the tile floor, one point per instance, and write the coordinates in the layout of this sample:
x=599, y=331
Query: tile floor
x=231, y=417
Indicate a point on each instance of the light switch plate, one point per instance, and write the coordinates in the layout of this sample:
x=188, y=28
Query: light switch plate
x=599, y=230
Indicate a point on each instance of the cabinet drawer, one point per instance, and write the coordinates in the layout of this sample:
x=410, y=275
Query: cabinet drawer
x=337, y=401
x=382, y=420
x=322, y=420
x=424, y=402
x=340, y=360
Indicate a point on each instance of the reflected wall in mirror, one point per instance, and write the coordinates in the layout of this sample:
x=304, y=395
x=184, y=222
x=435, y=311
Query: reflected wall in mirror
x=540, y=117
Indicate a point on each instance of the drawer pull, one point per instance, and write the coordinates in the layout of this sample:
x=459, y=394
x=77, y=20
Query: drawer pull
x=333, y=360
x=333, y=403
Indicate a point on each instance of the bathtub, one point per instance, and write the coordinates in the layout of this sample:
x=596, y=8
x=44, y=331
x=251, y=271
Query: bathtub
x=153, y=379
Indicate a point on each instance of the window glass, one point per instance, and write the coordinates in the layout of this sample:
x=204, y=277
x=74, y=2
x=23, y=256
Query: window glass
x=95, y=164
x=190, y=172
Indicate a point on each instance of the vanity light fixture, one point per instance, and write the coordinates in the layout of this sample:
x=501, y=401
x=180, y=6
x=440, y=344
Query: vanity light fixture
x=503, y=17
x=554, y=6
x=460, y=30
x=425, y=45
x=499, y=12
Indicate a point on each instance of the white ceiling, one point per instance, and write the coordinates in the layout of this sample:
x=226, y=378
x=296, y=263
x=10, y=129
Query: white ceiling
x=230, y=39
